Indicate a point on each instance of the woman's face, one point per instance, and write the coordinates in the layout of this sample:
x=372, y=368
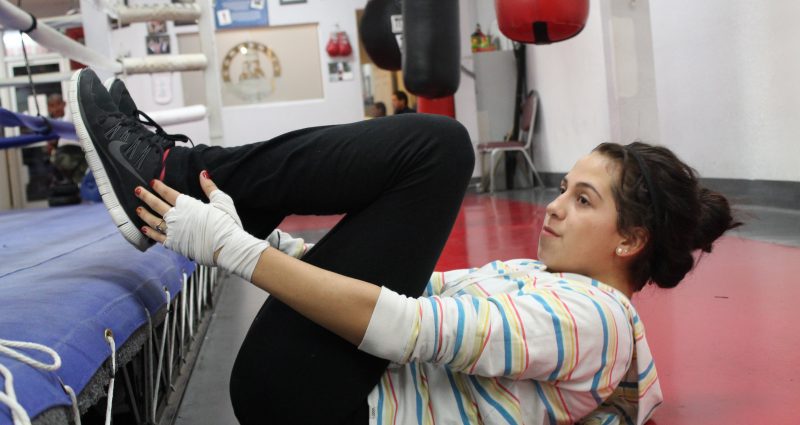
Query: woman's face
x=579, y=234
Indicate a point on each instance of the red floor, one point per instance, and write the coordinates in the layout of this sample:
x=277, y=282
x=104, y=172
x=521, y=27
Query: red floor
x=724, y=341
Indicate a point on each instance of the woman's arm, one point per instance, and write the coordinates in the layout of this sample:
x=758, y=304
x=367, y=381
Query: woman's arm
x=338, y=303
x=211, y=234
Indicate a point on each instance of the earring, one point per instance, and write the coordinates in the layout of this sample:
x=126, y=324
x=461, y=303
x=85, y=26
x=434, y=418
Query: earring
x=619, y=251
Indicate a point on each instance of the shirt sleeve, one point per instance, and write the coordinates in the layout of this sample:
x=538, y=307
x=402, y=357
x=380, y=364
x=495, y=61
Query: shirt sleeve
x=576, y=337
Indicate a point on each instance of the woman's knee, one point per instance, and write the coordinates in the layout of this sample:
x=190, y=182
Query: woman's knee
x=450, y=144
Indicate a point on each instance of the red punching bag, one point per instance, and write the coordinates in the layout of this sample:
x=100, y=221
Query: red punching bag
x=441, y=106
x=541, y=21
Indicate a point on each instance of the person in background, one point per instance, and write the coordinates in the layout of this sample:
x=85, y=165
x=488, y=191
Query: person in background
x=378, y=110
x=55, y=106
x=400, y=103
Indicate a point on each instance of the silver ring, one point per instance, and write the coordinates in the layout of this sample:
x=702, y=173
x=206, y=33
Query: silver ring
x=161, y=227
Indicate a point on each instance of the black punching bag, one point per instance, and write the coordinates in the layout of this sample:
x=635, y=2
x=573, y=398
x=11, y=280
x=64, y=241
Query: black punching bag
x=380, y=27
x=541, y=21
x=431, y=47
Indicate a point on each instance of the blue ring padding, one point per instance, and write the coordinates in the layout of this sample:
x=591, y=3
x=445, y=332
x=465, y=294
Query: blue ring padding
x=44, y=129
x=66, y=274
x=24, y=139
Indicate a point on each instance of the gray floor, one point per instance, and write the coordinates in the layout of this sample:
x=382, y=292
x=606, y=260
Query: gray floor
x=206, y=401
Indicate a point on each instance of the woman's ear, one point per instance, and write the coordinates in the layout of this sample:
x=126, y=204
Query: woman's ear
x=634, y=242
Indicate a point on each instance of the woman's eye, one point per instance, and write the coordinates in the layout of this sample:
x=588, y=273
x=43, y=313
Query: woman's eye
x=583, y=200
x=562, y=190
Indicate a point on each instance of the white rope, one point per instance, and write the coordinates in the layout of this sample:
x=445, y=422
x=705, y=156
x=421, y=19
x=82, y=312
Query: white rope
x=9, y=396
x=172, y=346
x=7, y=348
x=14, y=18
x=204, y=285
x=164, y=63
x=75, y=412
x=112, y=344
x=192, y=282
x=161, y=357
x=183, y=313
x=158, y=12
x=50, y=77
x=179, y=115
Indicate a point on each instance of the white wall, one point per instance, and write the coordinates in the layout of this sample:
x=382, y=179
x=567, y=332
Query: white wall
x=727, y=80
x=572, y=82
x=342, y=101
x=715, y=80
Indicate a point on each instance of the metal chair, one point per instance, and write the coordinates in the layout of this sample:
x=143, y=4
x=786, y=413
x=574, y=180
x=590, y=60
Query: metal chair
x=521, y=144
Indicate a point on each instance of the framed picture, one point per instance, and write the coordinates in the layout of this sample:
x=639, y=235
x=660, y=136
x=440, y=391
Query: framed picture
x=283, y=2
x=271, y=64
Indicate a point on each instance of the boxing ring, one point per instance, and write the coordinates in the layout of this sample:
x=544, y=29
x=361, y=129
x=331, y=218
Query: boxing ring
x=68, y=281
x=91, y=328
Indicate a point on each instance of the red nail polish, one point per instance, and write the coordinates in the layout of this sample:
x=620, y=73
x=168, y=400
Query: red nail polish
x=137, y=191
x=152, y=183
x=206, y=175
x=144, y=230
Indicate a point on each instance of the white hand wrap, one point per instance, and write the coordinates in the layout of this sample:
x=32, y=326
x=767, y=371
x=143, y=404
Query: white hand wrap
x=198, y=230
x=295, y=247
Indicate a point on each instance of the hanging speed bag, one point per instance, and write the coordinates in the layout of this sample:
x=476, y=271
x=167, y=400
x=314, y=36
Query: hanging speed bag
x=381, y=26
x=431, y=47
x=541, y=21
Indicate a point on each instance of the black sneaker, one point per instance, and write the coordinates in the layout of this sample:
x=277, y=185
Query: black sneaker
x=122, y=98
x=121, y=152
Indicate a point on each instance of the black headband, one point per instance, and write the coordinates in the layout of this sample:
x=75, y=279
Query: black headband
x=655, y=195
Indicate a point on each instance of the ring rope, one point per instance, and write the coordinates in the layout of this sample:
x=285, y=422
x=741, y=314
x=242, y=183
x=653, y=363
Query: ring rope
x=161, y=355
x=110, y=339
x=9, y=397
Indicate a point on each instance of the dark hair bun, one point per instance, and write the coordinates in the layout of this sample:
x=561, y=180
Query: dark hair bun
x=715, y=218
x=668, y=274
x=687, y=216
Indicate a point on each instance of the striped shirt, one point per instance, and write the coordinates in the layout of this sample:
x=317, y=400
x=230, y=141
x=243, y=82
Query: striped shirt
x=510, y=343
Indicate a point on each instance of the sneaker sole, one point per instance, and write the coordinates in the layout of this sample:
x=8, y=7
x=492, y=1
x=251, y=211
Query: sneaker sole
x=129, y=231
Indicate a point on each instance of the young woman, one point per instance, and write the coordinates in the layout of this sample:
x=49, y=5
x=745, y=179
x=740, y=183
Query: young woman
x=358, y=331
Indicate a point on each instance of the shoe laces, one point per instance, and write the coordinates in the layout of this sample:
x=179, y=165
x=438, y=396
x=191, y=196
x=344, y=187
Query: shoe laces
x=138, y=150
x=146, y=120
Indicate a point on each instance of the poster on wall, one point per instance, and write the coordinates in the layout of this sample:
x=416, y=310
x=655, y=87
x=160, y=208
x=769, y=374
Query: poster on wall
x=339, y=71
x=231, y=14
x=157, y=39
x=274, y=64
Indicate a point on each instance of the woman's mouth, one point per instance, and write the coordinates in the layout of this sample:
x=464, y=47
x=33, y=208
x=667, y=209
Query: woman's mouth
x=548, y=231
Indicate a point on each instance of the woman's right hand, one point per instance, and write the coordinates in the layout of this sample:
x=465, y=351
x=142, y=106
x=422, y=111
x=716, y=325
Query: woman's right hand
x=211, y=234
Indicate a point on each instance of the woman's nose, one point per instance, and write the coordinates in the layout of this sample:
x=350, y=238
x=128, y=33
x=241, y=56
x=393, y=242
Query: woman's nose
x=555, y=208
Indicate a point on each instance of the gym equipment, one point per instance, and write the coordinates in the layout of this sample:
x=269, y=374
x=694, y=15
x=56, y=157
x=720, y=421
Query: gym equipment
x=69, y=282
x=441, y=106
x=541, y=21
x=431, y=47
x=380, y=27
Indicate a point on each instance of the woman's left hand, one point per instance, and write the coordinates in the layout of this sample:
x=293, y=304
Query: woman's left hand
x=211, y=234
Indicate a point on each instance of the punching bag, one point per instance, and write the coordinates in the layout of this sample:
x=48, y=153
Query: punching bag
x=541, y=21
x=380, y=27
x=440, y=106
x=431, y=47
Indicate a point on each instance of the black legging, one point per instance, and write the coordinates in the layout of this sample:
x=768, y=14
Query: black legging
x=400, y=181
